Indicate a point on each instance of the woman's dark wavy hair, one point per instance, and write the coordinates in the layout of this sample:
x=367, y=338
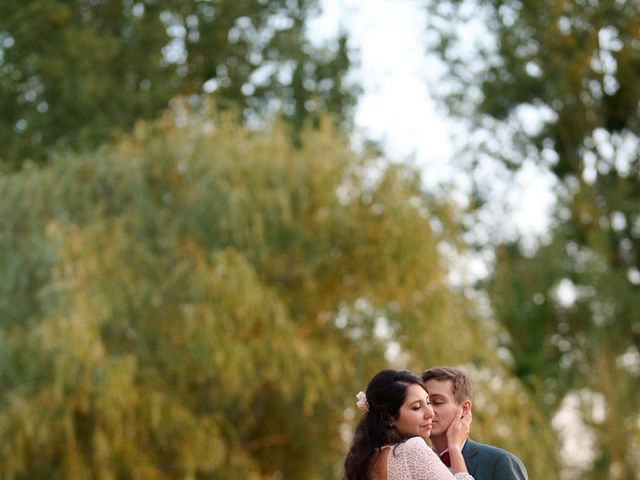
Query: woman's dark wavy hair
x=386, y=393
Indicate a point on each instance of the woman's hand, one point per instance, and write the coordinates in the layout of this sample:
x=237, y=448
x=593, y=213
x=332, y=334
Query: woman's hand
x=458, y=429
x=456, y=434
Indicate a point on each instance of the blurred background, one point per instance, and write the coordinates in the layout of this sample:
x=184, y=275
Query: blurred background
x=220, y=218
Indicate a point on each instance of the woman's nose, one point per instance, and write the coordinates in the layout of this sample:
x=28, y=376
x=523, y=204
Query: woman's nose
x=428, y=413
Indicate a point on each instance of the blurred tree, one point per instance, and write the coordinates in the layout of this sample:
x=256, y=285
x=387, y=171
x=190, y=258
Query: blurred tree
x=558, y=83
x=74, y=73
x=200, y=301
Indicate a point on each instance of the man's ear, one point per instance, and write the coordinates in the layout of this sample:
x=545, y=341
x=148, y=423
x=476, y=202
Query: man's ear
x=466, y=406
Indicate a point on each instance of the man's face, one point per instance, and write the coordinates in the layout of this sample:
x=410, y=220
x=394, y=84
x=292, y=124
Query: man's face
x=443, y=404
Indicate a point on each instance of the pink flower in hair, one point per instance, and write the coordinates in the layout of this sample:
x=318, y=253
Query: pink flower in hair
x=362, y=403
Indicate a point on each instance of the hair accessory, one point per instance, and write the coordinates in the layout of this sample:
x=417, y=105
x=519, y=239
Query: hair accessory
x=362, y=403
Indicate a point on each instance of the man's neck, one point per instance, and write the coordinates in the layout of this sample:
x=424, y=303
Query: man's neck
x=439, y=443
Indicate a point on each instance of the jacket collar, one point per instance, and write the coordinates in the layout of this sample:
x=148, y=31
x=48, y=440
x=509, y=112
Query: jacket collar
x=470, y=453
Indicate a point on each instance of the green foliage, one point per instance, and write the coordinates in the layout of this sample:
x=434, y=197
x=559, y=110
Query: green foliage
x=576, y=65
x=73, y=74
x=202, y=301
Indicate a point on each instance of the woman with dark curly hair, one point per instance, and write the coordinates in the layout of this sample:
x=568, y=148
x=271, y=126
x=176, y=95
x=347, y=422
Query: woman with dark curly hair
x=389, y=440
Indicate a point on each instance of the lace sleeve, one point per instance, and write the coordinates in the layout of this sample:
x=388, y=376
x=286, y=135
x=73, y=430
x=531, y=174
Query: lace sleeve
x=420, y=463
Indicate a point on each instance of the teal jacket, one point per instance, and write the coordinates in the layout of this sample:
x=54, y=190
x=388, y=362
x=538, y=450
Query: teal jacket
x=485, y=462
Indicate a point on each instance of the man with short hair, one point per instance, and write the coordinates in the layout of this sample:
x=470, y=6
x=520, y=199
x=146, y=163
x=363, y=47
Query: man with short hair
x=449, y=389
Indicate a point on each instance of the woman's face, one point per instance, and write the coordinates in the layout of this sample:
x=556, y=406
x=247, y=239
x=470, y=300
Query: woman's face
x=415, y=414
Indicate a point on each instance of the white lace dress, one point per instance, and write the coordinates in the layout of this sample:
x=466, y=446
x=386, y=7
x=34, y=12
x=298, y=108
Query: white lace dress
x=414, y=460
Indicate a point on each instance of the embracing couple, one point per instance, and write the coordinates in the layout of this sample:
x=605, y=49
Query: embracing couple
x=401, y=410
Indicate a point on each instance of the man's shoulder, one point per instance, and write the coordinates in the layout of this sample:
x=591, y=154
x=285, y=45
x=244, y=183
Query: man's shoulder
x=488, y=450
x=488, y=461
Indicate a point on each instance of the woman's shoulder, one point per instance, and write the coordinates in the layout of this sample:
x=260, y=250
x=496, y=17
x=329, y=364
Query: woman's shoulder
x=415, y=443
x=412, y=447
x=413, y=459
